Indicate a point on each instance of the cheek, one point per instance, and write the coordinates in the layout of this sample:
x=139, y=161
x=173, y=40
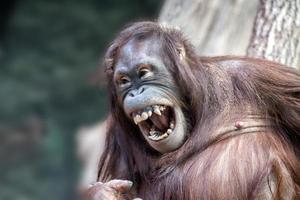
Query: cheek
x=120, y=98
x=120, y=95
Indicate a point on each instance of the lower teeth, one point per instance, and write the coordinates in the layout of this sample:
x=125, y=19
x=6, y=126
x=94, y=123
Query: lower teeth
x=152, y=132
x=157, y=137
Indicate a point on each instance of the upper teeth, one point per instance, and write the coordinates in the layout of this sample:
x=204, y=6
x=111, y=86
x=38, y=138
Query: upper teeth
x=147, y=112
x=144, y=115
x=157, y=110
x=137, y=119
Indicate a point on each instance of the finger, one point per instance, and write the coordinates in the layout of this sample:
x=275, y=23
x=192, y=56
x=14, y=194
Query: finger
x=120, y=185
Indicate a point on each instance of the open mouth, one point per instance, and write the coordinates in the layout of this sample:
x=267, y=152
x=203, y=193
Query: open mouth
x=156, y=122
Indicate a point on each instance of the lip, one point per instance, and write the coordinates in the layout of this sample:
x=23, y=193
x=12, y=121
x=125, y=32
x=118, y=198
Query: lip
x=131, y=107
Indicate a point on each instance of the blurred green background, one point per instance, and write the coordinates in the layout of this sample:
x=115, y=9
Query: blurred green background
x=50, y=51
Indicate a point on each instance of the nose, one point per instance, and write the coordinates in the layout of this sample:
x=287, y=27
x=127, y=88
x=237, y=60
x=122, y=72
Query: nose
x=136, y=92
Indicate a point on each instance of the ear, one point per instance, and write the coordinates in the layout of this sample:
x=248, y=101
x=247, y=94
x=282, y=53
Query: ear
x=110, y=56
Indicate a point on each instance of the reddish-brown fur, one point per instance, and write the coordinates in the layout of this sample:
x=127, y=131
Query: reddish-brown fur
x=222, y=157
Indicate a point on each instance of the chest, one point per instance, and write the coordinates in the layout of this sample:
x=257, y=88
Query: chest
x=174, y=186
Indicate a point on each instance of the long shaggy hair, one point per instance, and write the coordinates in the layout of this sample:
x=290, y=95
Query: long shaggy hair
x=215, y=93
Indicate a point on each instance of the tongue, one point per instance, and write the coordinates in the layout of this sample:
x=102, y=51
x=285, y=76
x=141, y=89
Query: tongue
x=161, y=122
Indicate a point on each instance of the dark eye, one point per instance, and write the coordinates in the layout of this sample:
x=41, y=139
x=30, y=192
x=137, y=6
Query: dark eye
x=123, y=80
x=145, y=72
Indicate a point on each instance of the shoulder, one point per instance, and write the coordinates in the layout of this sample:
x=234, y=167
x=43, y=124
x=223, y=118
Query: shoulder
x=232, y=63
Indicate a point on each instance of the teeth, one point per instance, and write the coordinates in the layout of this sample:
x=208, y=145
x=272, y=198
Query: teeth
x=172, y=125
x=157, y=138
x=137, y=119
x=147, y=112
x=152, y=132
x=156, y=110
x=164, y=135
x=144, y=116
x=152, y=137
x=169, y=131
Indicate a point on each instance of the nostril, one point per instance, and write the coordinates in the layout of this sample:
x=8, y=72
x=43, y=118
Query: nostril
x=136, y=92
x=131, y=94
x=141, y=90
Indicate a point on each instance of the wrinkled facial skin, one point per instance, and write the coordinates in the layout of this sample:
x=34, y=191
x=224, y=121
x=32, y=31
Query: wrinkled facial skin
x=147, y=91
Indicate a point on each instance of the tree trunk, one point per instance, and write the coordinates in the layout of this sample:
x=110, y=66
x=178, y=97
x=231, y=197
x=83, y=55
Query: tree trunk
x=276, y=33
x=215, y=27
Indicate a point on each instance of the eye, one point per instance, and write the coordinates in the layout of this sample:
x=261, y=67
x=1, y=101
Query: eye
x=123, y=80
x=145, y=72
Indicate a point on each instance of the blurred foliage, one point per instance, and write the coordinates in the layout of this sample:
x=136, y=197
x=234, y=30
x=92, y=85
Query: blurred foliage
x=50, y=49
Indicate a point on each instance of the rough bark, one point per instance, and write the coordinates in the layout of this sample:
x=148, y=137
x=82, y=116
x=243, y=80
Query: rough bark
x=215, y=27
x=276, y=34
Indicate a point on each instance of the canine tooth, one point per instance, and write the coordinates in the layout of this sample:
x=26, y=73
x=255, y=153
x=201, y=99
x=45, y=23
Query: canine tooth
x=149, y=113
x=144, y=116
x=169, y=131
x=156, y=110
x=135, y=120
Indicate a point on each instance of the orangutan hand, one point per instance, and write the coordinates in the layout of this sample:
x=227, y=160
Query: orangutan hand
x=112, y=190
